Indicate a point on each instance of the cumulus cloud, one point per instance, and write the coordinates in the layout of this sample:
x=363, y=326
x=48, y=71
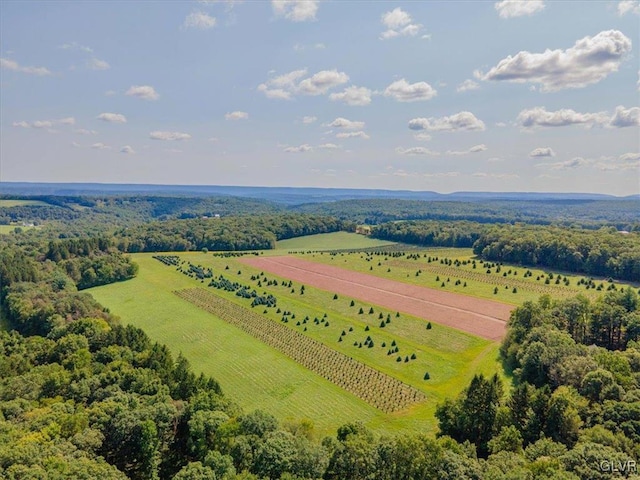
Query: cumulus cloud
x=100, y=146
x=625, y=117
x=518, y=8
x=475, y=149
x=626, y=161
x=40, y=124
x=453, y=123
x=237, y=115
x=199, y=20
x=360, y=134
x=344, y=123
x=398, y=23
x=284, y=87
x=295, y=10
x=309, y=119
x=467, y=86
x=76, y=46
x=403, y=91
x=542, y=152
x=567, y=164
x=416, y=151
x=590, y=60
x=97, y=64
x=353, y=96
x=16, y=67
x=127, y=149
x=499, y=176
x=112, y=117
x=169, y=136
x=146, y=92
x=540, y=117
x=328, y=146
x=299, y=149
x=628, y=6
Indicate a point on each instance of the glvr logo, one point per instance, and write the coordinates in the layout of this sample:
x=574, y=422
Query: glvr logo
x=627, y=466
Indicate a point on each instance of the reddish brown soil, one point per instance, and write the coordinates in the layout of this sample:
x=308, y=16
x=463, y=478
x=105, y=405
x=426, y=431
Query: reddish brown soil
x=484, y=318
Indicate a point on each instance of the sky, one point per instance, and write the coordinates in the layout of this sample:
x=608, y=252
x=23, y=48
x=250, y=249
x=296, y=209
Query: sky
x=531, y=96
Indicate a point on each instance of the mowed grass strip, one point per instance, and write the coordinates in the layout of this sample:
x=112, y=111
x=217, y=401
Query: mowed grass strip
x=374, y=387
x=8, y=203
x=330, y=241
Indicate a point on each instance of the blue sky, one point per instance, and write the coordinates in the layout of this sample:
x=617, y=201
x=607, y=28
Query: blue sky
x=446, y=96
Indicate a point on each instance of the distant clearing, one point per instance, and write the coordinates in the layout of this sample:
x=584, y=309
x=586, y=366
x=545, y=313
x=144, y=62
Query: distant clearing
x=331, y=241
x=484, y=318
x=8, y=229
x=22, y=203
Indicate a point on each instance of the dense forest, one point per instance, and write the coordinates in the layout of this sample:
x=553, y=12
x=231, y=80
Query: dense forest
x=228, y=233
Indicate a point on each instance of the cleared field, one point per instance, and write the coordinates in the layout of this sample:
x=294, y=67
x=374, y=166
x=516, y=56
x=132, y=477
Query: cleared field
x=377, y=389
x=458, y=271
x=484, y=318
x=8, y=229
x=22, y=203
x=330, y=241
x=258, y=376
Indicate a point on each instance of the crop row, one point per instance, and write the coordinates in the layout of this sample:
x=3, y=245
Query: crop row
x=374, y=387
x=486, y=278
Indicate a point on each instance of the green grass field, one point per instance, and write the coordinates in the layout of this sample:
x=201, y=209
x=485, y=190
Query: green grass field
x=257, y=376
x=330, y=241
x=470, y=281
x=22, y=203
x=8, y=229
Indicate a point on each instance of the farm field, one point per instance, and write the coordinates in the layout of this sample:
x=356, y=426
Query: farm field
x=4, y=203
x=483, y=318
x=330, y=241
x=456, y=270
x=261, y=377
x=9, y=229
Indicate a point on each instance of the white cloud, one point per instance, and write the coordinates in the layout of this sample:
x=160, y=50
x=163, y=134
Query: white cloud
x=416, y=151
x=459, y=121
x=360, y=134
x=353, y=96
x=475, y=149
x=169, y=136
x=518, y=8
x=467, y=86
x=328, y=146
x=441, y=174
x=299, y=149
x=626, y=161
x=540, y=117
x=16, y=67
x=45, y=123
x=295, y=10
x=499, y=176
x=344, y=123
x=237, y=115
x=199, y=20
x=402, y=91
x=284, y=87
x=319, y=83
x=112, y=117
x=624, y=117
x=307, y=120
x=625, y=157
x=638, y=82
x=84, y=131
x=76, y=46
x=398, y=23
x=97, y=64
x=422, y=137
x=590, y=60
x=146, y=92
x=300, y=47
x=100, y=146
x=567, y=164
x=628, y=6
x=542, y=152
x=127, y=149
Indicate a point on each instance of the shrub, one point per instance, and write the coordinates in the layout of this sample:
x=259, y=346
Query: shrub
x=429, y=326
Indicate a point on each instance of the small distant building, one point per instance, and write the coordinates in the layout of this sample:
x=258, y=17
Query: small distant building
x=363, y=229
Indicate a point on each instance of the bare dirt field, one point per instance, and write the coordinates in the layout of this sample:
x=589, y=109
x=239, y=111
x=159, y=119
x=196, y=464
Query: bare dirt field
x=484, y=318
